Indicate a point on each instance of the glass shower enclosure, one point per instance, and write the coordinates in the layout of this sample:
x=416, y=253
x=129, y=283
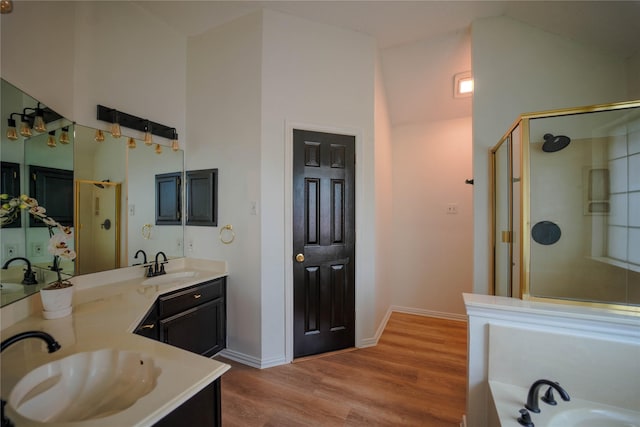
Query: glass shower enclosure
x=566, y=207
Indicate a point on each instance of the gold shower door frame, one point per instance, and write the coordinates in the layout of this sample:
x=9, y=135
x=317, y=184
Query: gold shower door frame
x=78, y=223
x=523, y=121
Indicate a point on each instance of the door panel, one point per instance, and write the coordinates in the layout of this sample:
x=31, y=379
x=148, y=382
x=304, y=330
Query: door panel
x=323, y=234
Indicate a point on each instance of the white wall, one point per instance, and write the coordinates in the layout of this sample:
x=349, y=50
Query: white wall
x=318, y=77
x=384, y=202
x=432, y=249
x=519, y=69
x=89, y=53
x=223, y=117
x=48, y=29
x=129, y=60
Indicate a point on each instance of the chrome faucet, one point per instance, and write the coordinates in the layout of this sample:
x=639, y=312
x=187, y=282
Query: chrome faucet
x=52, y=345
x=29, y=274
x=158, y=268
x=532, y=397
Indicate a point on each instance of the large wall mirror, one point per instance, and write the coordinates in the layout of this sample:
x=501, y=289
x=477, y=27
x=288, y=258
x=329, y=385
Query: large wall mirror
x=111, y=185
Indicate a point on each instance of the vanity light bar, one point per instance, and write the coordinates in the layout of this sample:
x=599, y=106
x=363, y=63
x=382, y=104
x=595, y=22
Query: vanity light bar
x=107, y=114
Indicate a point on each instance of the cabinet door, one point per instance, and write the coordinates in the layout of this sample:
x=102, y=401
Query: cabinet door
x=199, y=329
x=168, y=193
x=202, y=410
x=149, y=326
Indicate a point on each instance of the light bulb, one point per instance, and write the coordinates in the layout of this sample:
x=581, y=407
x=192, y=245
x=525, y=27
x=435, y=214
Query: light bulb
x=115, y=125
x=158, y=149
x=132, y=143
x=64, y=136
x=174, y=141
x=6, y=6
x=115, y=130
x=99, y=135
x=51, y=139
x=25, y=129
x=148, y=137
x=39, y=125
x=12, y=133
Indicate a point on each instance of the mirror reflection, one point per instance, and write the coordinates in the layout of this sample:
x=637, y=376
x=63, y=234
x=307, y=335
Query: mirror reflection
x=105, y=190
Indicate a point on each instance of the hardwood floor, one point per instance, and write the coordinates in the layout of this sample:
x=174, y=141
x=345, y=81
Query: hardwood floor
x=415, y=376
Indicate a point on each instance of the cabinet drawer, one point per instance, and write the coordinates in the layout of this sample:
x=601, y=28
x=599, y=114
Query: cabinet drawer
x=184, y=299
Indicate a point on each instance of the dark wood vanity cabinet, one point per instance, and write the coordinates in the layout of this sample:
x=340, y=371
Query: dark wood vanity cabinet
x=194, y=319
x=202, y=410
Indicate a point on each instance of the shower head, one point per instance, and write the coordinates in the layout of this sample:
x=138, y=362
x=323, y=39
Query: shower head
x=554, y=143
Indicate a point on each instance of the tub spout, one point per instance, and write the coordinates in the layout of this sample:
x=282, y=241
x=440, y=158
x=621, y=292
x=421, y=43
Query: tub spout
x=534, y=390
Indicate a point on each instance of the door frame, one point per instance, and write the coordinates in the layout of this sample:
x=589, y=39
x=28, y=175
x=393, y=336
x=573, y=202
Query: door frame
x=288, y=220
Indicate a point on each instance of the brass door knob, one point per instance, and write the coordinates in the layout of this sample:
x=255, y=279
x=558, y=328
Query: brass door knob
x=300, y=258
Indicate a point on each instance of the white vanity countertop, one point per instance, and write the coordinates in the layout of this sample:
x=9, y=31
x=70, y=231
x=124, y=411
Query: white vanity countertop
x=107, y=308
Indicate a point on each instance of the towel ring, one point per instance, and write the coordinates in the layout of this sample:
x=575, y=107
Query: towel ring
x=231, y=235
x=146, y=231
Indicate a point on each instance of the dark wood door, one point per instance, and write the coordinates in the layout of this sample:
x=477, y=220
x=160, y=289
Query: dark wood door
x=323, y=242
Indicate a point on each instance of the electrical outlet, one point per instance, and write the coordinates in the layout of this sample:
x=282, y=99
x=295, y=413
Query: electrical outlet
x=37, y=249
x=179, y=244
x=132, y=210
x=452, y=208
x=10, y=250
x=190, y=245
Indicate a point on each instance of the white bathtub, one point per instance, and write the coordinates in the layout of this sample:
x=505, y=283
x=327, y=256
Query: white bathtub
x=507, y=400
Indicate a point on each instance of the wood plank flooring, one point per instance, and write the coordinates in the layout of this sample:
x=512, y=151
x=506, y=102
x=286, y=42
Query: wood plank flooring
x=415, y=376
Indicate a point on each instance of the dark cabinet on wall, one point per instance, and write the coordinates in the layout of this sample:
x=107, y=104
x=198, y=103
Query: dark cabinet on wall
x=52, y=188
x=202, y=197
x=168, y=195
x=10, y=183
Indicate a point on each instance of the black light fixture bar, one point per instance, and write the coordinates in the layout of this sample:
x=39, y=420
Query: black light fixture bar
x=107, y=114
x=48, y=115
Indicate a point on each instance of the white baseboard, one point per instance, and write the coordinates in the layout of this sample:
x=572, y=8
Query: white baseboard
x=429, y=313
x=365, y=342
x=373, y=341
x=252, y=361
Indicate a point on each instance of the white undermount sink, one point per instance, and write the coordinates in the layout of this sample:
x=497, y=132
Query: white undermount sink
x=84, y=386
x=595, y=417
x=170, y=278
x=9, y=288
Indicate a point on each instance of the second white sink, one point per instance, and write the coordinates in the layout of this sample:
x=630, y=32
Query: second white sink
x=84, y=386
x=170, y=278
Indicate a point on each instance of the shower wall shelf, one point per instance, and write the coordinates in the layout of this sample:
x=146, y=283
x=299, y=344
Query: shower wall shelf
x=577, y=168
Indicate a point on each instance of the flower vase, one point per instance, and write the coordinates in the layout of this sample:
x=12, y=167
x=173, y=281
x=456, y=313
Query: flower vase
x=56, y=300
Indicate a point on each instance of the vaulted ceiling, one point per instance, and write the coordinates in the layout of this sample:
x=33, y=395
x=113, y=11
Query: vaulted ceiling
x=424, y=43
